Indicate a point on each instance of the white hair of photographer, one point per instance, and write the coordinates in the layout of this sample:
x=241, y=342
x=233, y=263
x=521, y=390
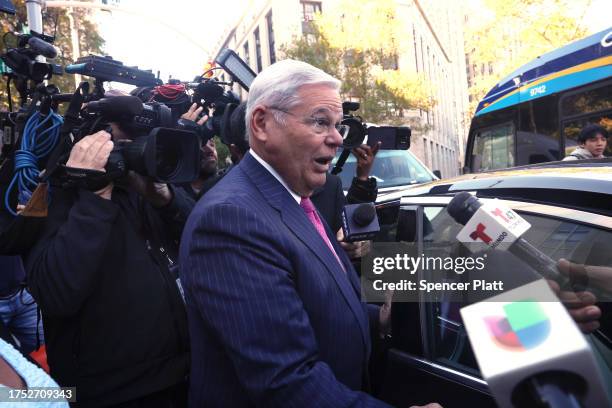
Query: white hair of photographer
x=277, y=86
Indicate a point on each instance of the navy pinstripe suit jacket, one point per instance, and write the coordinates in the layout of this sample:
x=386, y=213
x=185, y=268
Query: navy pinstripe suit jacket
x=274, y=320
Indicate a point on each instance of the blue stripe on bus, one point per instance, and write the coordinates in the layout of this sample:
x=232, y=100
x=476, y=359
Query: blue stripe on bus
x=579, y=52
x=555, y=85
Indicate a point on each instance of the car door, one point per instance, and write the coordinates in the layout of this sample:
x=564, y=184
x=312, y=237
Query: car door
x=430, y=357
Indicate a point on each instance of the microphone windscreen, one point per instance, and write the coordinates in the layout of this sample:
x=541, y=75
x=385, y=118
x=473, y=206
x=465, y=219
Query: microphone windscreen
x=209, y=91
x=116, y=107
x=462, y=207
x=364, y=214
x=42, y=47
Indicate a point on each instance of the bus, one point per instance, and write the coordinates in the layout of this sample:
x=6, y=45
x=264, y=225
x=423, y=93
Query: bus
x=534, y=114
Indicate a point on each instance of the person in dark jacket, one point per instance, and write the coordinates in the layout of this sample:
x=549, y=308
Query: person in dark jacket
x=104, y=277
x=330, y=198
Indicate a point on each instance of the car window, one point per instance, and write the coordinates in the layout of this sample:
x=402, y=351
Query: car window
x=447, y=341
x=391, y=168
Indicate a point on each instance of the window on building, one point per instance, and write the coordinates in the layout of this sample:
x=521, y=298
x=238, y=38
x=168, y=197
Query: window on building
x=309, y=8
x=390, y=62
x=270, y=37
x=416, y=58
x=258, y=49
x=245, y=50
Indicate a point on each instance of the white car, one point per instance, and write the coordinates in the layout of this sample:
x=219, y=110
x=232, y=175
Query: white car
x=393, y=169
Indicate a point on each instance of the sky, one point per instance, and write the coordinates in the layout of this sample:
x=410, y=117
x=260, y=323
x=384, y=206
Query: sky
x=175, y=37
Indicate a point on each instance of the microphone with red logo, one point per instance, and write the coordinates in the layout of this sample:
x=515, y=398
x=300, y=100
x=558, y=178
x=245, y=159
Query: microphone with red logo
x=498, y=226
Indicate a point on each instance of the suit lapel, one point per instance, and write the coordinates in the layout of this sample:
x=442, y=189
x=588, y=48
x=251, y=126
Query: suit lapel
x=295, y=219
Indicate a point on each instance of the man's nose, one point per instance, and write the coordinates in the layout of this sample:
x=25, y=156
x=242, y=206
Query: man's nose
x=335, y=138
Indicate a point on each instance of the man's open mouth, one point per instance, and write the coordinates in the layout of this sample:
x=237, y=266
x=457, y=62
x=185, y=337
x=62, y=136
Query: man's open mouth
x=324, y=161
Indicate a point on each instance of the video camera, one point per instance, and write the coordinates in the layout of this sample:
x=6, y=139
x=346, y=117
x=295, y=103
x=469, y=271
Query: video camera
x=22, y=58
x=390, y=137
x=211, y=93
x=157, y=149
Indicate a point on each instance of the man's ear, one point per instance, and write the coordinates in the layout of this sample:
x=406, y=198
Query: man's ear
x=259, y=124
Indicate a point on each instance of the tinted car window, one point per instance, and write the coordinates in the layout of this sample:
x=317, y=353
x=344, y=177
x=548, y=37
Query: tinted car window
x=581, y=244
x=391, y=168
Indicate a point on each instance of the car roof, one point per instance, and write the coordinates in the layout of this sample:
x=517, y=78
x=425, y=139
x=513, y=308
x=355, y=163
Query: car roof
x=584, y=184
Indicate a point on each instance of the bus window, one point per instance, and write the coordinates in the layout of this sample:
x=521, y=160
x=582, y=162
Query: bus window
x=494, y=148
x=572, y=128
x=593, y=100
x=583, y=108
x=537, y=137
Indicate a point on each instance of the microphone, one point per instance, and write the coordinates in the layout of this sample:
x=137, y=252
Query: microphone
x=42, y=47
x=116, y=108
x=531, y=353
x=359, y=222
x=498, y=226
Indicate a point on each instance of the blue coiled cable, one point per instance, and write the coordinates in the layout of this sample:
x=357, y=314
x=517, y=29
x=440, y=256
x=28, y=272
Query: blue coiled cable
x=36, y=144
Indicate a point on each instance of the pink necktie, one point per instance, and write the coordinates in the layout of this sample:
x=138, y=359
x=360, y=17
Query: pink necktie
x=312, y=215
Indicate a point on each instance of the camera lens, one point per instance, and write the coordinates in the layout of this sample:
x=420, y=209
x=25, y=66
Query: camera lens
x=167, y=160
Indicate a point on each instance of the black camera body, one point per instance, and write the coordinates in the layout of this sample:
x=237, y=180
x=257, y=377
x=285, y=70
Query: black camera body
x=210, y=94
x=391, y=137
x=154, y=148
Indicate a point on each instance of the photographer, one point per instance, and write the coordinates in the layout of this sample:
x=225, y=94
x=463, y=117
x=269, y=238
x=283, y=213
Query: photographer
x=103, y=275
x=208, y=160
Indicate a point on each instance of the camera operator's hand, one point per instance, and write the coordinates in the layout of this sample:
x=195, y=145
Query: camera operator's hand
x=193, y=113
x=92, y=153
x=365, y=159
x=158, y=194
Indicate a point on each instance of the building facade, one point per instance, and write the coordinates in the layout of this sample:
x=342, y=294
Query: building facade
x=434, y=49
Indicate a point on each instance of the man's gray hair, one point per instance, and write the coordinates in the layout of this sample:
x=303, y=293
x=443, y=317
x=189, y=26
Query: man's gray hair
x=277, y=86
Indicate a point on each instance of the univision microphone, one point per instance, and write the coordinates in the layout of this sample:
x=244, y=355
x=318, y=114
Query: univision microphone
x=359, y=222
x=498, y=227
x=531, y=353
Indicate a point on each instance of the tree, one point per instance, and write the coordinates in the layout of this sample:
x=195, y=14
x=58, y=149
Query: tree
x=507, y=34
x=56, y=22
x=359, y=42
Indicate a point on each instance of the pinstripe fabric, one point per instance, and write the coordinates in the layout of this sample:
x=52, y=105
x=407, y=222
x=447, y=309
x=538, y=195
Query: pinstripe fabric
x=274, y=321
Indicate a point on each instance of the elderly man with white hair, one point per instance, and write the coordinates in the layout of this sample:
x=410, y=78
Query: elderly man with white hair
x=273, y=301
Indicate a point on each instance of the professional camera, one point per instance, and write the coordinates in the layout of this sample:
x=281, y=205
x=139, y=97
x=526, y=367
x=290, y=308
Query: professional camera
x=155, y=149
x=390, y=137
x=227, y=120
x=26, y=71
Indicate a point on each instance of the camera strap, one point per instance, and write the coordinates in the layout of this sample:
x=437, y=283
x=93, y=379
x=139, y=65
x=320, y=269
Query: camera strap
x=92, y=180
x=71, y=120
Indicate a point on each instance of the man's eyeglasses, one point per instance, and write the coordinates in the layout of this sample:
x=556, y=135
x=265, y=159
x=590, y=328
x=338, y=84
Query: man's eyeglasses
x=321, y=124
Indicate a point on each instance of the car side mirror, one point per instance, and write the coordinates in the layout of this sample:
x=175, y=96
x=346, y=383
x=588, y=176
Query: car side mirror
x=437, y=173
